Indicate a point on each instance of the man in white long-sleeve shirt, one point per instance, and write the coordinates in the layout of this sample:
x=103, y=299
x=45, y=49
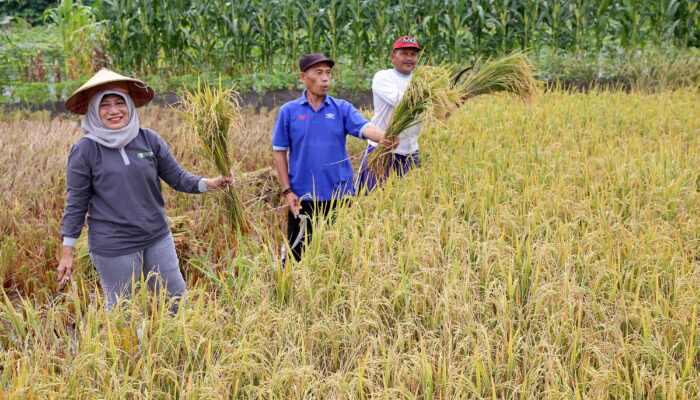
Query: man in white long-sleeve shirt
x=388, y=87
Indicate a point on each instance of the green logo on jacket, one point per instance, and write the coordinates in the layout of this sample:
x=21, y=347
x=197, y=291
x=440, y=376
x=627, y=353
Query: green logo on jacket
x=145, y=154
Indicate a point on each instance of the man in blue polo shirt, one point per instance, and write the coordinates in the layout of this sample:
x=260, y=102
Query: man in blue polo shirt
x=313, y=129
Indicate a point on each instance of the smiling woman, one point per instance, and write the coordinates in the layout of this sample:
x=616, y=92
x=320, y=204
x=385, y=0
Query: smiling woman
x=114, y=112
x=117, y=159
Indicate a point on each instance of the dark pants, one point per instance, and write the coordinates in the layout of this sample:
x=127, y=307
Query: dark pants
x=319, y=209
x=400, y=164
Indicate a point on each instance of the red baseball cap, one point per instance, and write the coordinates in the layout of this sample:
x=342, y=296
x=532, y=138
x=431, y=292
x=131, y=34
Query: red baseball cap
x=406, y=41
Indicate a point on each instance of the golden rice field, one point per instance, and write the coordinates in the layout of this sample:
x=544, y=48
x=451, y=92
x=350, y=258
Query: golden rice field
x=549, y=250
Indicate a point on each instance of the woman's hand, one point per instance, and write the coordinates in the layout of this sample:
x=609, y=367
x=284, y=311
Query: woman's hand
x=219, y=182
x=293, y=203
x=65, y=266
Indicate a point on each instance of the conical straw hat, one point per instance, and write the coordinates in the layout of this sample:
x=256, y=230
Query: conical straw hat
x=140, y=92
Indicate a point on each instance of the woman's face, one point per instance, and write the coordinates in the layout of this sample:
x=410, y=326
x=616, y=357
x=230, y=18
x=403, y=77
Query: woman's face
x=114, y=113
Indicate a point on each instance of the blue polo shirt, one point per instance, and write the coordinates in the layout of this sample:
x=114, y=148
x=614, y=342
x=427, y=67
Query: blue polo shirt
x=319, y=165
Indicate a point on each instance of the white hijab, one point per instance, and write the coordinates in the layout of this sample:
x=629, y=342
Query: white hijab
x=94, y=129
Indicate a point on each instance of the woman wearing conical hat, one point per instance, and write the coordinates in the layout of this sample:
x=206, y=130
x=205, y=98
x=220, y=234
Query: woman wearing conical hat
x=113, y=175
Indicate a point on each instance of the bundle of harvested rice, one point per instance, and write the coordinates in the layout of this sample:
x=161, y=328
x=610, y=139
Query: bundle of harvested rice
x=436, y=91
x=512, y=74
x=212, y=114
x=430, y=96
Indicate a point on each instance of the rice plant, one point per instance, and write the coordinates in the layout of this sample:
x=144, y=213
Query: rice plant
x=543, y=250
x=430, y=95
x=213, y=114
x=513, y=74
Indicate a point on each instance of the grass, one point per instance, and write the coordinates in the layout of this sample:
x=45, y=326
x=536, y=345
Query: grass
x=548, y=250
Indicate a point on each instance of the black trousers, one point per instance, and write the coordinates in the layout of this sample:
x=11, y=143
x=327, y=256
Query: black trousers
x=320, y=209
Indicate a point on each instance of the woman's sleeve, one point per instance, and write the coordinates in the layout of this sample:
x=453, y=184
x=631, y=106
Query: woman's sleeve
x=79, y=186
x=172, y=173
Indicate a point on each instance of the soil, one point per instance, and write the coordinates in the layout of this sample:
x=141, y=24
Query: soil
x=275, y=98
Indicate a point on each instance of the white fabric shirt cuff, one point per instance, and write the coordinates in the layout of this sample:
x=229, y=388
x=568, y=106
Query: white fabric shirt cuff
x=69, y=242
x=202, y=185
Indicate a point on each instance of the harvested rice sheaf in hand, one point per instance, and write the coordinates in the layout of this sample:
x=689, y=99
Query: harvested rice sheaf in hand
x=429, y=97
x=212, y=114
x=512, y=74
x=435, y=91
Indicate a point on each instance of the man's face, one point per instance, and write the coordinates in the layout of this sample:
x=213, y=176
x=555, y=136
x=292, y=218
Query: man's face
x=317, y=78
x=405, y=60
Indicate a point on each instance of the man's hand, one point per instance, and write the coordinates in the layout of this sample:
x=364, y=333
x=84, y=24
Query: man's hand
x=65, y=266
x=392, y=143
x=373, y=133
x=293, y=203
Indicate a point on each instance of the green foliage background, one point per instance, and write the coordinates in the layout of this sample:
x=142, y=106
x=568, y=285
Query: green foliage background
x=181, y=36
x=256, y=44
x=30, y=10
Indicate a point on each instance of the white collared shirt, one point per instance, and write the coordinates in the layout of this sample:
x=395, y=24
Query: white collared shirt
x=388, y=87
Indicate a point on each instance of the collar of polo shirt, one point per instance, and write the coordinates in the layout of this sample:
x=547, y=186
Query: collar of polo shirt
x=305, y=100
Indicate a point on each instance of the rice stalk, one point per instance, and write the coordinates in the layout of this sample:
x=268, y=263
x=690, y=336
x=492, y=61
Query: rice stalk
x=212, y=114
x=511, y=74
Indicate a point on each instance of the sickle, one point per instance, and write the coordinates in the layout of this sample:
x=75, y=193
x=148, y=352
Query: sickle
x=61, y=288
x=302, y=230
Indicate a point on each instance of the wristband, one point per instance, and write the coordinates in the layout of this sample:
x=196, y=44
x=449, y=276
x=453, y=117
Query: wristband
x=285, y=191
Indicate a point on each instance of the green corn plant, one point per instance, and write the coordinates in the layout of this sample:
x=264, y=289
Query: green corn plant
x=309, y=18
x=503, y=26
x=336, y=26
x=601, y=24
x=358, y=34
x=405, y=16
x=689, y=13
x=128, y=44
x=237, y=34
x=377, y=16
x=662, y=19
x=556, y=15
x=265, y=28
x=179, y=36
x=528, y=16
x=203, y=52
x=630, y=22
x=479, y=22
x=580, y=13
x=149, y=23
x=431, y=30
x=454, y=21
x=76, y=23
x=290, y=27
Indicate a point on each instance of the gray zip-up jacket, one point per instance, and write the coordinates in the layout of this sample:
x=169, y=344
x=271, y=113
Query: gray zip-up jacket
x=122, y=197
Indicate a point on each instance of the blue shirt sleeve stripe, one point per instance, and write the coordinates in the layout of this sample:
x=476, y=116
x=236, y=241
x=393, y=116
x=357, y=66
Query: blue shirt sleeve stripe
x=361, y=136
x=280, y=148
